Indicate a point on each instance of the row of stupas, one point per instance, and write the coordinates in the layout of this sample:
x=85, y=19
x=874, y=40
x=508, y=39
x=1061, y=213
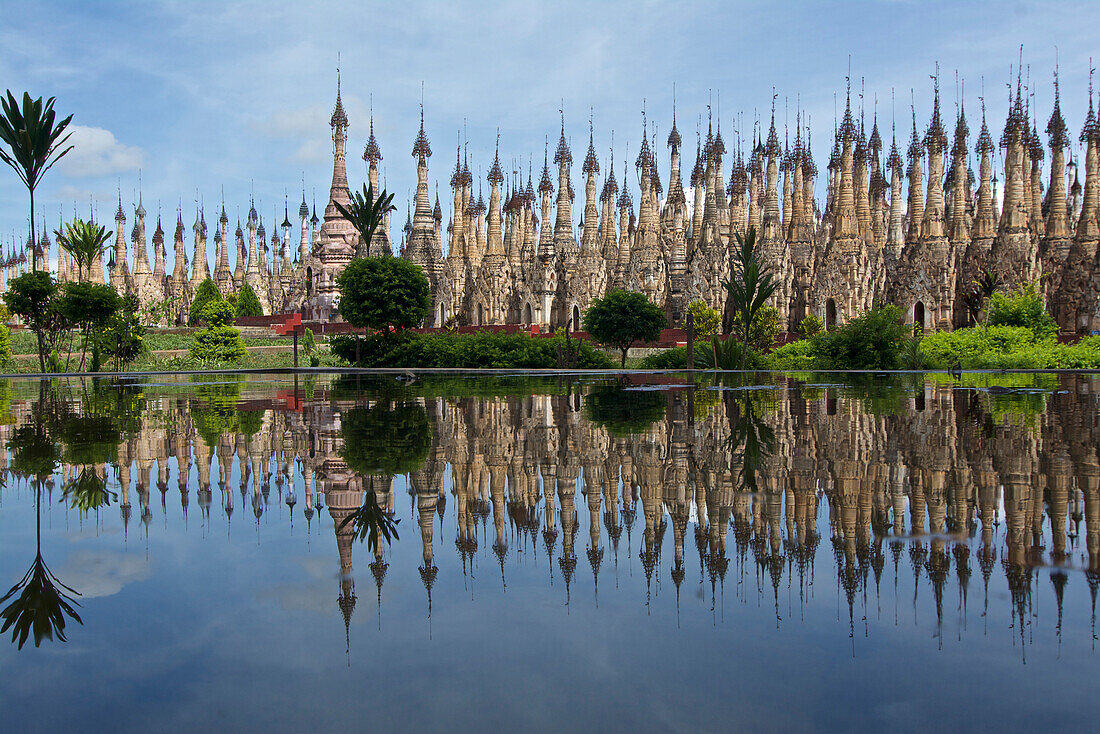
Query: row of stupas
x=916, y=231
x=932, y=479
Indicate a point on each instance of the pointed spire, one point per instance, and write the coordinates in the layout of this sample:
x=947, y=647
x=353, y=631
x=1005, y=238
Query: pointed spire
x=563, y=154
x=546, y=184
x=674, y=133
x=935, y=135
x=1091, y=128
x=495, y=175
x=610, y=185
x=456, y=175
x=772, y=147
x=421, y=149
x=591, y=164
x=339, y=118
x=962, y=131
x=985, y=140
x=372, y=153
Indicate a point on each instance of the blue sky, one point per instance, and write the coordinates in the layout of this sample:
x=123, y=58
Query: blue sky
x=201, y=95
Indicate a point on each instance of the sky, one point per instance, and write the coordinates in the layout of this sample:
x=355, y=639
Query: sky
x=191, y=98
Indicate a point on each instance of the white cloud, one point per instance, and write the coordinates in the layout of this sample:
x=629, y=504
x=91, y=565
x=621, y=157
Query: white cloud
x=96, y=152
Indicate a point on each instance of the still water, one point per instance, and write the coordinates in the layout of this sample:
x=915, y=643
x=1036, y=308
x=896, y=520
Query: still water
x=570, y=553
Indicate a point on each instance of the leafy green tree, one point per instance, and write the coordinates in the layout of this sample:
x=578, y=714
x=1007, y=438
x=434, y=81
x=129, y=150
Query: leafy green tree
x=35, y=140
x=705, y=320
x=872, y=341
x=810, y=326
x=33, y=297
x=384, y=439
x=623, y=317
x=764, y=330
x=1023, y=307
x=247, y=303
x=206, y=292
x=218, y=342
x=88, y=306
x=383, y=292
x=84, y=241
x=367, y=211
x=123, y=337
x=749, y=289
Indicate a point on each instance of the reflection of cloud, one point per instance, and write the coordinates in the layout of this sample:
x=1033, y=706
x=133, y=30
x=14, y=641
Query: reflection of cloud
x=306, y=597
x=96, y=152
x=97, y=573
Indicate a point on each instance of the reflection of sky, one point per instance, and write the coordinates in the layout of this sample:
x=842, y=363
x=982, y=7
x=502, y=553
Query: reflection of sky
x=237, y=629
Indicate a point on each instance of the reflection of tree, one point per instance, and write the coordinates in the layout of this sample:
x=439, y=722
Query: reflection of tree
x=40, y=602
x=382, y=440
x=751, y=439
x=43, y=601
x=623, y=412
x=215, y=409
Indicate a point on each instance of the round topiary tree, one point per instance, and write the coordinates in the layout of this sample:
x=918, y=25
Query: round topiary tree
x=218, y=342
x=623, y=317
x=247, y=303
x=206, y=293
x=384, y=292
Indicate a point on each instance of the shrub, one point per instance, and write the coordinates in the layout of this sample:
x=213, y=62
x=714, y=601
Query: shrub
x=704, y=319
x=123, y=338
x=1021, y=308
x=5, y=344
x=623, y=317
x=725, y=355
x=482, y=349
x=33, y=297
x=247, y=303
x=206, y=293
x=764, y=330
x=793, y=357
x=667, y=359
x=218, y=342
x=810, y=326
x=624, y=412
x=871, y=341
x=308, y=343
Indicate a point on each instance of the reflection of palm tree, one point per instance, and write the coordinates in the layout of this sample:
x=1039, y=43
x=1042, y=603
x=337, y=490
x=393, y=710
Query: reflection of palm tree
x=753, y=438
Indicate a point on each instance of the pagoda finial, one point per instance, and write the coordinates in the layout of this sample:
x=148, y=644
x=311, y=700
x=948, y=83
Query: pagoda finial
x=563, y=155
x=546, y=185
x=495, y=175
x=339, y=119
x=591, y=163
x=421, y=149
x=674, y=134
x=1056, y=126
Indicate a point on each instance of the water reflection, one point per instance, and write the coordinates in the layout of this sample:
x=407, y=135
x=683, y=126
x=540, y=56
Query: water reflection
x=932, y=479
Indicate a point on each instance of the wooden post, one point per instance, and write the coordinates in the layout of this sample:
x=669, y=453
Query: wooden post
x=690, y=342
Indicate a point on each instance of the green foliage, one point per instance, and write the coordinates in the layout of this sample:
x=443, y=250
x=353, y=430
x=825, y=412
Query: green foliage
x=308, y=343
x=123, y=338
x=764, y=330
x=5, y=345
x=622, y=317
x=748, y=290
x=793, y=357
x=33, y=297
x=810, y=326
x=666, y=359
x=90, y=306
x=247, y=303
x=383, y=292
x=871, y=341
x=87, y=492
x=40, y=608
x=726, y=354
x=218, y=342
x=35, y=141
x=911, y=356
x=206, y=293
x=1007, y=347
x=366, y=211
x=84, y=242
x=1022, y=308
x=624, y=412
x=482, y=349
x=704, y=319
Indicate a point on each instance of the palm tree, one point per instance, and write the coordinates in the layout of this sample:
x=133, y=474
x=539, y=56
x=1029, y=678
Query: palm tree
x=366, y=211
x=749, y=289
x=35, y=141
x=84, y=242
